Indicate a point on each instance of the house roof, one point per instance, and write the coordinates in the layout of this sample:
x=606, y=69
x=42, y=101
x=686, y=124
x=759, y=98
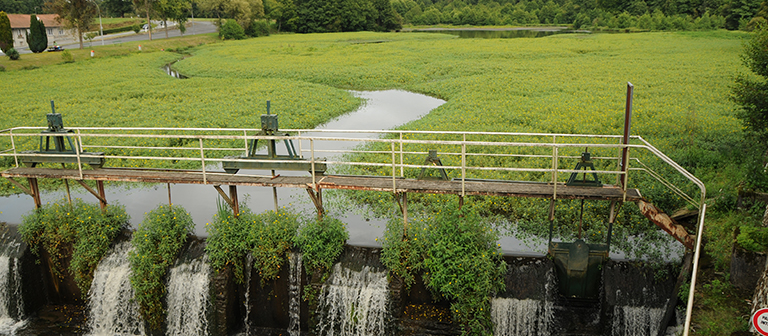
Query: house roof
x=22, y=20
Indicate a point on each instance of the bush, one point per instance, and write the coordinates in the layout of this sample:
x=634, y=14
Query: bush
x=321, y=241
x=459, y=260
x=157, y=243
x=258, y=28
x=272, y=238
x=13, y=54
x=227, y=242
x=66, y=56
x=85, y=227
x=231, y=30
x=136, y=28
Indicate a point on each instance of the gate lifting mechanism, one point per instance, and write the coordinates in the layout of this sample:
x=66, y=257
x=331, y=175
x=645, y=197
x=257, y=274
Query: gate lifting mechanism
x=584, y=163
x=292, y=161
x=579, y=264
x=58, y=133
x=433, y=159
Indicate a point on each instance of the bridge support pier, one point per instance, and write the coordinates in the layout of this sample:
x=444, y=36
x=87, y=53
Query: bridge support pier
x=317, y=200
x=231, y=199
x=35, y=192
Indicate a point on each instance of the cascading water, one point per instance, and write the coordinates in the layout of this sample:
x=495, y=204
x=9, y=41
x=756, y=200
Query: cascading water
x=353, y=302
x=636, y=321
x=187, y=298
x=112, y=310
x=513, y=317
x=11, y=301
x=294, y=295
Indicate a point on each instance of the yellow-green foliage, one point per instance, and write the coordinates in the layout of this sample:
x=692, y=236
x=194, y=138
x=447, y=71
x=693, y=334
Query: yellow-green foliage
x=82, y=229
x=268, y=237
x=563, y=83
x=157, y=243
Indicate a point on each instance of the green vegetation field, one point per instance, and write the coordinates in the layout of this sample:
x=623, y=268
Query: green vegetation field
x=560, y=84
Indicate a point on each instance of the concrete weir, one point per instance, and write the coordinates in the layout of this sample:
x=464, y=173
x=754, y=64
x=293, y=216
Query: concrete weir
x=358, y=297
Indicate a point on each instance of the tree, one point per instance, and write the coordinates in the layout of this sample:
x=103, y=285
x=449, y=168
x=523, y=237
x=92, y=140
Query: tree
x=752, y=94
x=175, y=10
x=6, y=35
x=74, y=14
x=118, y=8
x=37, y=38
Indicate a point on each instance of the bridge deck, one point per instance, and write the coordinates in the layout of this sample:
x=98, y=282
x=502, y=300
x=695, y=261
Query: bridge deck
x=375, y=183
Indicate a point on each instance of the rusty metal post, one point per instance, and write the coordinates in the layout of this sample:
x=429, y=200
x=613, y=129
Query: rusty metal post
x=102, y=194
x=233, y=198
x=274, y=193
x=627, y=125
x=169, y=194
x=35, y=191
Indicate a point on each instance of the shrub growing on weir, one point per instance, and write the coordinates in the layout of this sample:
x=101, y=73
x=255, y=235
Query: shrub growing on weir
x=84, y=228
x=455, y=252
x=156, y=246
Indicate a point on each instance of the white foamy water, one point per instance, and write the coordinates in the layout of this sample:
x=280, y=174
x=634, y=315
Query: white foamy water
x=513, y=317
x=636, y=321
x=294, y=294
x=11, y=300
x=353, y=303
x=111, y=305
x=188, y=298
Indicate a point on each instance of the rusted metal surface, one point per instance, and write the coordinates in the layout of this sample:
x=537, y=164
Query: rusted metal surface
x=666, y=223
x=475, y=187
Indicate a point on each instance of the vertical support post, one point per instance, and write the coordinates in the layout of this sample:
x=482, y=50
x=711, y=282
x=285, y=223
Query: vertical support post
x=554, y=172
x=320, y=209
x=611, y=219
x=66, y=184
x=235, y=202
x=13, y=145
x=394, y=185
x=405, y=208
x=69, y=196
x=202, y=161
x=245, y=139
x=402, y=174
x=627, y=124
x=551, y=219
x=463, y=167
x=274, y=193
x=581, y=217
x=78, y=149
x=35, y=191
x=169, y=194
x=312, y=161
x=696, y=256
x=102, y=200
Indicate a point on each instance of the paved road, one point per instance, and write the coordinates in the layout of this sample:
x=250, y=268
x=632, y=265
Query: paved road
x=199, y=27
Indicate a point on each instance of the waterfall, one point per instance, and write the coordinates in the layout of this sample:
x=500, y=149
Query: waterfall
x=112, y=309
x=529, y=316
x=353, y=302
x=636, y=321
x=11, y=300
x=187, y=298
x=247, y=303
x=294, y=294
x=513, y=317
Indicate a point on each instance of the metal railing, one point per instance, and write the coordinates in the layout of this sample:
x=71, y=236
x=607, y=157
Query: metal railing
x=401, y=148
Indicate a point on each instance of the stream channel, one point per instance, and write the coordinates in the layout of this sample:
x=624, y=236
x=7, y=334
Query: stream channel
x=380, y=110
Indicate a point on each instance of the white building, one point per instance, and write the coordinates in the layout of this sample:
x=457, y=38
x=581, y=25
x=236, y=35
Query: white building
x=54, y=29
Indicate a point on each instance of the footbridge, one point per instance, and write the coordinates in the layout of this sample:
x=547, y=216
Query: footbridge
x=539, y=165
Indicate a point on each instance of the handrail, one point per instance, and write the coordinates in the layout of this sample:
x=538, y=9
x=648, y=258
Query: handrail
x=399, y=140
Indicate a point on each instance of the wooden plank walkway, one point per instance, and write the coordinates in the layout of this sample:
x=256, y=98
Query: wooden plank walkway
x=375, y=183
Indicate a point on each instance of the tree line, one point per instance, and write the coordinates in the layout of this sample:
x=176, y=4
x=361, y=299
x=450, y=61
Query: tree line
x=643, y=14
